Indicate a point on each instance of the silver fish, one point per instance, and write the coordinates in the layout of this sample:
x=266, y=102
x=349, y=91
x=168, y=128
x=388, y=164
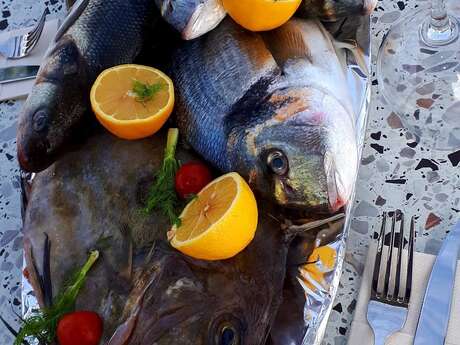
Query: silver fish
x=97, y=34
x=192, y=18
x=274, y=107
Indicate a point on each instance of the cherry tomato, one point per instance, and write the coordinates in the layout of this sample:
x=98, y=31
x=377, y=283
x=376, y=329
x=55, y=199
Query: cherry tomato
x=191, y=178
x=80, y=328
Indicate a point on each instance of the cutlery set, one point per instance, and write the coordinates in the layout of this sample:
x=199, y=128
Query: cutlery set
x=392, y=284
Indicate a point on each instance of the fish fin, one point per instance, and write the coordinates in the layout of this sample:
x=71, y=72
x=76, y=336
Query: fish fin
x=47, y=287
x=124, y=331
x=353, y=47
x=286, y=43
x=128, y=241
x=25, y=180
x=297, y=230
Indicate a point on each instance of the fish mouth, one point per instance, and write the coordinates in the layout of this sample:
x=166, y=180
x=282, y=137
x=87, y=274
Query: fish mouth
x=286, y=196
x=335, y=187
x=205, y=18
x=33, y=160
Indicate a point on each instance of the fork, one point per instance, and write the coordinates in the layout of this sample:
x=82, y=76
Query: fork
x=387, y=309
x=20, y=46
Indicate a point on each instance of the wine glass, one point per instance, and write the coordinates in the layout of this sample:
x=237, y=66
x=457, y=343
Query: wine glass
x=418, y=70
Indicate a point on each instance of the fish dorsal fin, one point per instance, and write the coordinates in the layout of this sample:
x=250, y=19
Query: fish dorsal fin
x=287, y=42
x=77, y=9
x=352, y=46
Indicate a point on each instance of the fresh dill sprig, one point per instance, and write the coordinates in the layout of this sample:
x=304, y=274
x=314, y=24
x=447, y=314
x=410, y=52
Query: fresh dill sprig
x=42, y=326
x=162, y=195
x=144, y=92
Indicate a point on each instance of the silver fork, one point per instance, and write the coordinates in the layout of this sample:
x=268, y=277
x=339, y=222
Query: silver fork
x=387, y=309
x=20, y=46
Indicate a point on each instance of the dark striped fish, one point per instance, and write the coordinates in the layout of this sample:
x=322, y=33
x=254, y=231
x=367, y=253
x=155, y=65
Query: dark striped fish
x=96, y=35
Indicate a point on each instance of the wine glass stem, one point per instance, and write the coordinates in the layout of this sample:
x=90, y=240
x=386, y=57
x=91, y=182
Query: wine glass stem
x=439, y=18
x=440, y=28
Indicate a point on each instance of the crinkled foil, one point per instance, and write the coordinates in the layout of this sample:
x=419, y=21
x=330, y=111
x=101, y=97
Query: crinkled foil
x=320, y=277
x=319, y=280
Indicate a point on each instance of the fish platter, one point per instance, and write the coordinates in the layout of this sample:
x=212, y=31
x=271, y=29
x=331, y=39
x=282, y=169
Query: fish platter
x=212, y=203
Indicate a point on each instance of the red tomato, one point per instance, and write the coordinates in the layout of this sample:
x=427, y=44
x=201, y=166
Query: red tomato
x=191, y=178
x=79, y=328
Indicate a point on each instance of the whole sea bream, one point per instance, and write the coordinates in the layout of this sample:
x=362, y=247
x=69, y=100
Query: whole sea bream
x=274, y=107
x=96, y=35
x=147, y=292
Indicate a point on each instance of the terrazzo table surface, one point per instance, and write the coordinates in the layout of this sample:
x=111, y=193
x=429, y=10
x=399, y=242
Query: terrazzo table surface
x=395, y=172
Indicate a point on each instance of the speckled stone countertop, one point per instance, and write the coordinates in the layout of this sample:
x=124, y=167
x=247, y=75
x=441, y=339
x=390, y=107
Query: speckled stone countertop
x=396, y=172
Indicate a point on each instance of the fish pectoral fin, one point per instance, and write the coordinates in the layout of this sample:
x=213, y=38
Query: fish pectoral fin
x=359, y=57
x=287, y=42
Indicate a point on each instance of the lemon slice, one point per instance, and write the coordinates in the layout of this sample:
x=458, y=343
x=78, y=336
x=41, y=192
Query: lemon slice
x=261, y=15
x=220, y=222
x=129, y=114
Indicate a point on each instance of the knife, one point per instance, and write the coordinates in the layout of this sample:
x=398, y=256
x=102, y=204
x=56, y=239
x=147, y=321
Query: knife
x=17, y=73
x=434, y=317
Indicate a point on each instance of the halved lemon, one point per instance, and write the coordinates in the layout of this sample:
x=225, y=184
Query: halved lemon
x=220, y=222
x=126, y=112
x=261, y=15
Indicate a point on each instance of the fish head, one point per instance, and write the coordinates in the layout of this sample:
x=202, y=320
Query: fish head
x=56, y=104
x=303, y=154
x=185, y=301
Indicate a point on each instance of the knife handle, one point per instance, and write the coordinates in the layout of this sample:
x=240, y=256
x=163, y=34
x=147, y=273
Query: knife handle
x=435, y=313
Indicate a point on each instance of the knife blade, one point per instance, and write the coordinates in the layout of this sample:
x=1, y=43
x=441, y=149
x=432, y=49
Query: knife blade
x=17, y=73
x=435, y=314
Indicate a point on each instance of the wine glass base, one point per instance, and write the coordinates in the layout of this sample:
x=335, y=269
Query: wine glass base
x=421, y=82
x=434, y=36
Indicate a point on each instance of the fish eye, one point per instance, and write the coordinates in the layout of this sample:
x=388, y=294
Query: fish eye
x=40, y=120
x=226, y=330
x=278, y=162
x=228, y=336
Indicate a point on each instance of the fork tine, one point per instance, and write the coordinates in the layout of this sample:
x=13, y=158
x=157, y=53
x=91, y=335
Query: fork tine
x=410, y=260
x=399, y=263
x=38, y=27
x=390, y=257
x=378, y=255
x=17, y=46
x=33, y=37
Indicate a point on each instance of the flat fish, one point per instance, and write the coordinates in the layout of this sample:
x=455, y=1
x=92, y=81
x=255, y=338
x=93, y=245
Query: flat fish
x=146, y=291
x=97, y=34
x=192, y=18
x=92, y=199
x=274, y=107
x=331, y=10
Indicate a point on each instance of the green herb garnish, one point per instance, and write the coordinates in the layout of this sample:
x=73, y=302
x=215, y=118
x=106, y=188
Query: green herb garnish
x=162, y=195
x=43, y=325
x=144, y=92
